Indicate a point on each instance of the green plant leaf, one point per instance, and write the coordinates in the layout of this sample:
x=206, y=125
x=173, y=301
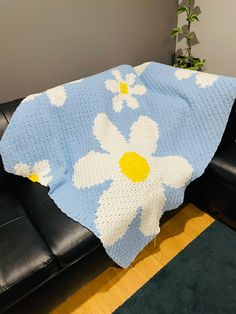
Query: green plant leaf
x=193, y=17
x=188, y=37
x=182, y=9
x=191, y=63
x=176, y=31
x=186, y=60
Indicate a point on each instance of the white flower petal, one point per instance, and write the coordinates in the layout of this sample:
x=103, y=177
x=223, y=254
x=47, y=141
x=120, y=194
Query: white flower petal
x=117, y=103
x=141, y=68
x=131, y=101
x=42, y=168
x=144, y=135
x=117, y=208
x=138, y=90
x=93, y=169
x=112, y=85
x=174, y=171
x=57, y=96
x=205, y=79
x=152, y=212
x=130, y=78
x=22, y=169
x=109, y=137
x=76, y=81
x=118, y=205
x=117, y=75
x=183, y=74
x=30, y=97
x=45, y=180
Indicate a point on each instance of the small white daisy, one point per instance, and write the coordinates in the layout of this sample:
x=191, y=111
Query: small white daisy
x=205, y=79
x=124, y=90
x=183, y=74
x=57, y=95
x=38, y=173
x=202, y=79
x=139, y=69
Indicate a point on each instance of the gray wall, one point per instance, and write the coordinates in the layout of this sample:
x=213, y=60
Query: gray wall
x=216, y=32
x=47, y=42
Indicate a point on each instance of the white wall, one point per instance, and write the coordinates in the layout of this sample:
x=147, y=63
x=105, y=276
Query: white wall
x=45, y=43
x=216, y=32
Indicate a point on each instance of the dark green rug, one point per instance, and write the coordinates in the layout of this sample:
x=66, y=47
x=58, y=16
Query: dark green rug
x=201, y=279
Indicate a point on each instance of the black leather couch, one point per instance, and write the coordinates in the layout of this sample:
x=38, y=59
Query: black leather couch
x=215, y=190
x=38, y=242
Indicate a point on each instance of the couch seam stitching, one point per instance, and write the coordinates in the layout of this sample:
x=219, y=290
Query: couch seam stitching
x=12, y=220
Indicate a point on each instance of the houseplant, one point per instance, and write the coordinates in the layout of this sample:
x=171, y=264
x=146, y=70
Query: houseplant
x=185, y=59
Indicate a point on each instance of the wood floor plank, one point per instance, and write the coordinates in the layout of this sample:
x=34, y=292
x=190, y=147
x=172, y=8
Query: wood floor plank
x=115, y=285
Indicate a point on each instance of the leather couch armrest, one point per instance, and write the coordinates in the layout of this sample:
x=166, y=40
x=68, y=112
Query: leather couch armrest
x=229, y=135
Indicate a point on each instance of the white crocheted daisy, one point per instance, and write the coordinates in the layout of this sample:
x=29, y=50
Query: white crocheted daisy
x=137, y=177
x=124, y=90
x=202, y=79
x=205, y=79
x=183, y=74
x=139, y=69
x=57, y=95
x=38, y=173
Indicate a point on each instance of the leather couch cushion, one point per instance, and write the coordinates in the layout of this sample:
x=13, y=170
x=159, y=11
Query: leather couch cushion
x=3, y=123
x=4, y=177
x=7, y=180
x=6, y=112
x=67, y=239
x=25, y=261
x=223, y=165
x=9, y=108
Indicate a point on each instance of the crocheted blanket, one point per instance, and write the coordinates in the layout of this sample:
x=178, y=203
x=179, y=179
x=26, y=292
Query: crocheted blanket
x=118, y=149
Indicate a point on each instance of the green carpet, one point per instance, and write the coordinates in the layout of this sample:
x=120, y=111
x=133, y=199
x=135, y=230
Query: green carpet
x=201, y=279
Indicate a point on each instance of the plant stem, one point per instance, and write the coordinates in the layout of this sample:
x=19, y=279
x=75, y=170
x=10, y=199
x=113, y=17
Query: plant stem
x=189, y=49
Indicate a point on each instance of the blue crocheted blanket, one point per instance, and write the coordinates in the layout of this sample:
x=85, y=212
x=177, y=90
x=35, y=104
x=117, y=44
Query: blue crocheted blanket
x=118, y=149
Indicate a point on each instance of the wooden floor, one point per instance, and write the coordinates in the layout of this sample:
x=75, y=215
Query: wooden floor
x=114, y=286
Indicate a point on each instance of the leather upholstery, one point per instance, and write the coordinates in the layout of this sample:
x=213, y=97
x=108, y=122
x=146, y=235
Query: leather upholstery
x=215, y=190
x=67, y=239
x=229, y=136
x=223, y=165
x=5, y=178
x=25, y=260
x=7, y=109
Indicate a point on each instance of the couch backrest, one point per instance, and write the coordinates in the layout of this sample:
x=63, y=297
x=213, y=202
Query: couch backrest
x=6, y=112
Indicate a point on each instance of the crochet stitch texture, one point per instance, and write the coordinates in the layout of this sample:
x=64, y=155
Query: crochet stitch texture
x=117, y=149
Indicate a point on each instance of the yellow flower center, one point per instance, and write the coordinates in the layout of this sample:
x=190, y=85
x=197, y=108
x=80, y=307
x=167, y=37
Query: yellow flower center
x=134, y=166
x=33, y=177
x=123, y=88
